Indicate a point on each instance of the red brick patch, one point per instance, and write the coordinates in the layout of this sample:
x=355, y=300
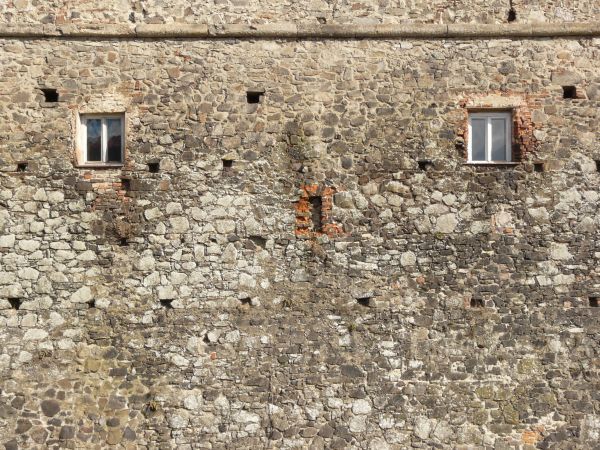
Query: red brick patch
x=305, y=212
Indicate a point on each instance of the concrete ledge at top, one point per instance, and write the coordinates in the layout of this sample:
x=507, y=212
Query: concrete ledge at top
x=28, y=30
x=178, y=30
x=268, y=30
x=380, y=31
x=96, y=30
x=304, y=31
x=523, y=30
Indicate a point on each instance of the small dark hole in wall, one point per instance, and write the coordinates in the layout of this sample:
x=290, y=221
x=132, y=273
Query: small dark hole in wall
x=477, y=303
x=227, y=165
x=538, y=167
x=364, y=301
x=425, y=164
x=125, y=184
x=569, y=92
x=22, y=166
x=123, y=242
x=168, y=304
x=594, y=302
x=91, y=304
x=50, y=95
x=15, y=303
x=254, y=96
x=512, y=15
x=246, y=301
x=154, y=167
x=316, y=207
x=597, y=165
x=258, y=241
x=322, y=20
x=205, y=339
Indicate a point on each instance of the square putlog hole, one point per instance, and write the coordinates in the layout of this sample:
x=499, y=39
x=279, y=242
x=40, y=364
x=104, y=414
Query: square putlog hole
x=594, y=302
x=425, y=164
x=154, y=167
x=538, y=167
x=477, y=303
x=254, y=96
x=167, y=303
x=50, y=95
x=512, y=15
x=569, y=92
x=126, y=184
x=364, y=301
x=15, y=303
x=227, y=165
x=22, y=166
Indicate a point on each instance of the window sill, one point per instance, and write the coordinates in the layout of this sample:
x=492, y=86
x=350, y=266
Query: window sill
x=493, y=163
x=99, y=166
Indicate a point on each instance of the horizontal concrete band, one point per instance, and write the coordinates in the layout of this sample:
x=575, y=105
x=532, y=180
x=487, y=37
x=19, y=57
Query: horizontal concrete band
x=304, y=31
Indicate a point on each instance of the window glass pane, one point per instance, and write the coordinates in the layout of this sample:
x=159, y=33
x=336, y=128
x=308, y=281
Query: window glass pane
x=478, y=139
x=113, y=133
x=498, y=140
x=94, y=140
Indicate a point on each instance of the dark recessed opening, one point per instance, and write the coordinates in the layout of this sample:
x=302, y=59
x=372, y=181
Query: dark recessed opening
x=512, y=15
x=227, y=165
x=322, y=20
x=125, y=184
x=364, y=301
x=154, y=167
x=254, y=96
x=91, y=304
x=15, y=303
x=425, y=164
x=50, y=95
x=205, y=339
x=22, y=167
x=316, y=206
x=569, y=92
x=538, y=167
x=247, y=301
x=258, y=241
x=123, y=242
x=167, y=304
x=477, y=303
x=593, y=301
x=597, y=165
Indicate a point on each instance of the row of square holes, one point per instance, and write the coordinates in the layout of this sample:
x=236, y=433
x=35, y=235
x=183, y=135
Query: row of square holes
x=51, y=95
x=253, y=97
x=15, y=303
x=424, y=164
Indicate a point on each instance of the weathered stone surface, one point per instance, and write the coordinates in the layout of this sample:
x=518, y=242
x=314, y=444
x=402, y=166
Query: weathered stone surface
x=446, y=223
x=313, y=13
x=346, y=279
x=50, y=407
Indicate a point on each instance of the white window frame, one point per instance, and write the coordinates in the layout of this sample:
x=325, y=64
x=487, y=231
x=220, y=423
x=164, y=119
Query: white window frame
x=83, y=119
x=507, y=116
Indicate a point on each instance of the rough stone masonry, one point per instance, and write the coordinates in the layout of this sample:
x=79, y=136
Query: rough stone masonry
x=295, y=252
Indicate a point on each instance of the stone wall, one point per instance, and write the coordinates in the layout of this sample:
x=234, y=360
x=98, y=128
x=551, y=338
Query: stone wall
x=264, y=11
x=438, y=304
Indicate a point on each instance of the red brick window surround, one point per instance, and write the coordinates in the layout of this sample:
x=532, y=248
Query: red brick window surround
x=520, y=106
x=313, y=212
